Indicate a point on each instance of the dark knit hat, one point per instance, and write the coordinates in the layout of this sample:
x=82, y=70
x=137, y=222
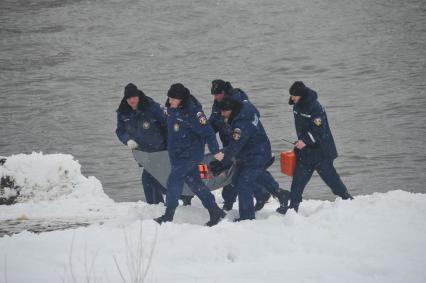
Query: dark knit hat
x=298, y=89
x=227, y=104
x=130, y=90
x=219, y=86
x=178, y=91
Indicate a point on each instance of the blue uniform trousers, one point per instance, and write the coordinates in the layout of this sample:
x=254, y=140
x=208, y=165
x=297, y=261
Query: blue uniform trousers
x=327, y=172
x=251, y=180
x=187, y=172
x=230, y=192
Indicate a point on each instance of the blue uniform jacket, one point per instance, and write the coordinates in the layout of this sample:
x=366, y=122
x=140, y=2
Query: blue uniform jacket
x=312, y=127
x=249, y=144
x=188, y=132
x=217, y=122
x=147, y=125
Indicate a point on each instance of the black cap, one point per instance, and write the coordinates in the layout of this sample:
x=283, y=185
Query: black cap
x=178, y=91
x=298, y=89
x=219, y=86
x=130, y=90
x=227, y=104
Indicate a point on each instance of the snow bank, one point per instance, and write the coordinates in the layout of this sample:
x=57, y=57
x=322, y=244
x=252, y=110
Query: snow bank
x=52, y=186
x=374, y=238
x=42, y=177
x=377, y=238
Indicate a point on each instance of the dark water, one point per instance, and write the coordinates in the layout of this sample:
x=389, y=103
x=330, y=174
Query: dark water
x=63, y=65
x=10, y=227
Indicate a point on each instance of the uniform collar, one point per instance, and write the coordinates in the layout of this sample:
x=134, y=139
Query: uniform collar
x=144, y=103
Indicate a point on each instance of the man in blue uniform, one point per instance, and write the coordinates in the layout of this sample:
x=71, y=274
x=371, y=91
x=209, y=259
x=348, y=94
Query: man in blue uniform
x=219, y=90
x=251, y=148
x=141, y=124
x=315, y=148
x=188, y=132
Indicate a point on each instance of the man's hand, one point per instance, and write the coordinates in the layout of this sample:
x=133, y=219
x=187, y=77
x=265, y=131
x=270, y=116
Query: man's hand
x=300, y=144
x=219, y=156
x=218, y=167
x=215, y=167
x=132, y=144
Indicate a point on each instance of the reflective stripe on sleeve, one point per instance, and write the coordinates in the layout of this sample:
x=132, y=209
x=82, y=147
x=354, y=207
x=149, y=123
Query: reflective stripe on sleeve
x=311, y=136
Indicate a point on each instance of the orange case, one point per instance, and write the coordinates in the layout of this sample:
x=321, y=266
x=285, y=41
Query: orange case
x=204, y=171
x=288, y=162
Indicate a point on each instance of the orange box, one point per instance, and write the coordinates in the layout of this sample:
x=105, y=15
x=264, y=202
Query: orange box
x=288, y=162
x=204, y=171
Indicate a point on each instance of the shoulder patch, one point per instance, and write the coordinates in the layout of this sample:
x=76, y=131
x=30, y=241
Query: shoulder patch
x=255, y=120
x=202, y=118
x=317, y=122
x=236, y=135
x=164, y=108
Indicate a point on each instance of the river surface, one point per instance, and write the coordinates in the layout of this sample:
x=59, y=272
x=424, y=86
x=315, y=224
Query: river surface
x=63, y=66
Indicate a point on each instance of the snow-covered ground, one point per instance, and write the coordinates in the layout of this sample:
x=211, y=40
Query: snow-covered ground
x=374, y=238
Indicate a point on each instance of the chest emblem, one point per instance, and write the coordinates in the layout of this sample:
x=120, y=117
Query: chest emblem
x=164, y=109
x=236, y=135
x=317, y=122
x=202, y=118
x=146, y=125
x=176, y=127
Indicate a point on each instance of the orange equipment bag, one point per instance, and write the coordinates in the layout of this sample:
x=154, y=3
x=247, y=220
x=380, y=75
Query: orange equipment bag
x=204, y=171
x=288, y=162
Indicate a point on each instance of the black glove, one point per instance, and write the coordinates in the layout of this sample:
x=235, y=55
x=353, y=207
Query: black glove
x=217, y=167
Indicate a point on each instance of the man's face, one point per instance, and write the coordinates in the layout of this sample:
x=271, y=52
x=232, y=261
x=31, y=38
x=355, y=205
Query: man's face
x=226, y=113
x=133, y=102
x=174, y=102
x=218, y=97
x=295, y=99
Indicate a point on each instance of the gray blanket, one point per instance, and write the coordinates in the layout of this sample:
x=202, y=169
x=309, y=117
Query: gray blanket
x=158, y=165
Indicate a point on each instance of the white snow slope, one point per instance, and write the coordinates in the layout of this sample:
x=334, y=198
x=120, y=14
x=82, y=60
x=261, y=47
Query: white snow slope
x=374, y=238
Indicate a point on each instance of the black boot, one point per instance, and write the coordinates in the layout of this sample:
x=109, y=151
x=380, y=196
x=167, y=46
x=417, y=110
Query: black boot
x=236, y=220
x=294, y=206
x=166, y=217
x=346, y=195
x=186, y=200
x=261, y=203
x=216, y=214
x=283, y=196
x=227, y=205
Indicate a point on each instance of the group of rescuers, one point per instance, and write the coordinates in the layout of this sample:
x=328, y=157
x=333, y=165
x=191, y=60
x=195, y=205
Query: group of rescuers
x=181, y=128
